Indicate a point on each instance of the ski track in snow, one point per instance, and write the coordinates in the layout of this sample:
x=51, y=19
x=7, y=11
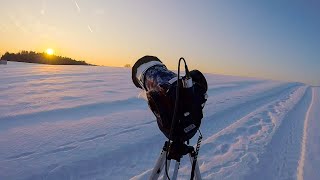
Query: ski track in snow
x=309, y=161
x=73, y=122
x=240, y=143
x=281, y=155
x=304, y=141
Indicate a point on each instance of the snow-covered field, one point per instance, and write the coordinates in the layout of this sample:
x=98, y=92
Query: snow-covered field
x=81, y=122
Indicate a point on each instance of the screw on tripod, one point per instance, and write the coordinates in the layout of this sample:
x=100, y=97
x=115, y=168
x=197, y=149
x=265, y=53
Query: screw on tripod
x=178, y=149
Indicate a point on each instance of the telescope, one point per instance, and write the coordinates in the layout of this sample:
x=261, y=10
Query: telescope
x=160, y=84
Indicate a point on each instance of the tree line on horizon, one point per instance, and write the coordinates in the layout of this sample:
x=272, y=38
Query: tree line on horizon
x=40, y=58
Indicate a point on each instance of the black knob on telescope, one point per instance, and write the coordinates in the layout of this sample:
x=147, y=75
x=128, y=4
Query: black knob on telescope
x=199, y=79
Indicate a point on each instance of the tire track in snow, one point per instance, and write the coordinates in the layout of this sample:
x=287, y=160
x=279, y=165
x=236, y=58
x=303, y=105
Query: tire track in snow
x=304, y=140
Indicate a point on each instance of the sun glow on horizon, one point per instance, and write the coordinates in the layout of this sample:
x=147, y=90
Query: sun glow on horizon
x=50, y=51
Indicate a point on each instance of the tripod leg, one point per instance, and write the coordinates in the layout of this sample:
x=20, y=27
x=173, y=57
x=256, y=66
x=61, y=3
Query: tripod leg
x=196, y=169
x=176, y=169
x=159, y=166
x=168, y=166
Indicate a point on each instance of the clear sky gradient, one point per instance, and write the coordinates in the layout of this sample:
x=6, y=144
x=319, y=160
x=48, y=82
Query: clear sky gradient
x=277, y=39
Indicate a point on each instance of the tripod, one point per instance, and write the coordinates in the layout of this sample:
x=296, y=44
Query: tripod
x=175, y=151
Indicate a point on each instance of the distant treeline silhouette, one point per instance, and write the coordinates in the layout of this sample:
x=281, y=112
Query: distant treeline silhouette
x=40, y=58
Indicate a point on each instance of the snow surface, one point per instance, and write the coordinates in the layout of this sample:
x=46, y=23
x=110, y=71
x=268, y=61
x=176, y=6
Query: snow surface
x=85, y=122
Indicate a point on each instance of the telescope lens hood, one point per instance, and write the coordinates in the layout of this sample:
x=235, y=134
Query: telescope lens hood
x=141, y=66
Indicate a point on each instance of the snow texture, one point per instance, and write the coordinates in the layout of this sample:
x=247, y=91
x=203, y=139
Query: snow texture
x=87, y=122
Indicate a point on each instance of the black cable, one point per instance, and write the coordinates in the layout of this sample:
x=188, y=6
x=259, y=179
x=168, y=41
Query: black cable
x=177, y=98
x=175, y=110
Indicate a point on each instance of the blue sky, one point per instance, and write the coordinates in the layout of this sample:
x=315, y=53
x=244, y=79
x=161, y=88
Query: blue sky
x=268, y=39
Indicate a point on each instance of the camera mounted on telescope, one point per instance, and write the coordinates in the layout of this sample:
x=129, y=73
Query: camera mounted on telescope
x=160, y=84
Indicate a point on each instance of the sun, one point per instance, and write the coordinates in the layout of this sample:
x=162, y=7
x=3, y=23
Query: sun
x=50, y=51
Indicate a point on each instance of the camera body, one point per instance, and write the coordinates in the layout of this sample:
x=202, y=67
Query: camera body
x=160, y=84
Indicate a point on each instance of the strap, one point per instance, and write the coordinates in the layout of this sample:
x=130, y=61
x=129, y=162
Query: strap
x=196, y=155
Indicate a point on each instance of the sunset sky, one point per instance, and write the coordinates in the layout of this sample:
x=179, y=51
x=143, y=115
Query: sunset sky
x=271, y=39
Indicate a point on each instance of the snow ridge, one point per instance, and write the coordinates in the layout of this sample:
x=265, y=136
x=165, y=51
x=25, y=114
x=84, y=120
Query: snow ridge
x=304, y=141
